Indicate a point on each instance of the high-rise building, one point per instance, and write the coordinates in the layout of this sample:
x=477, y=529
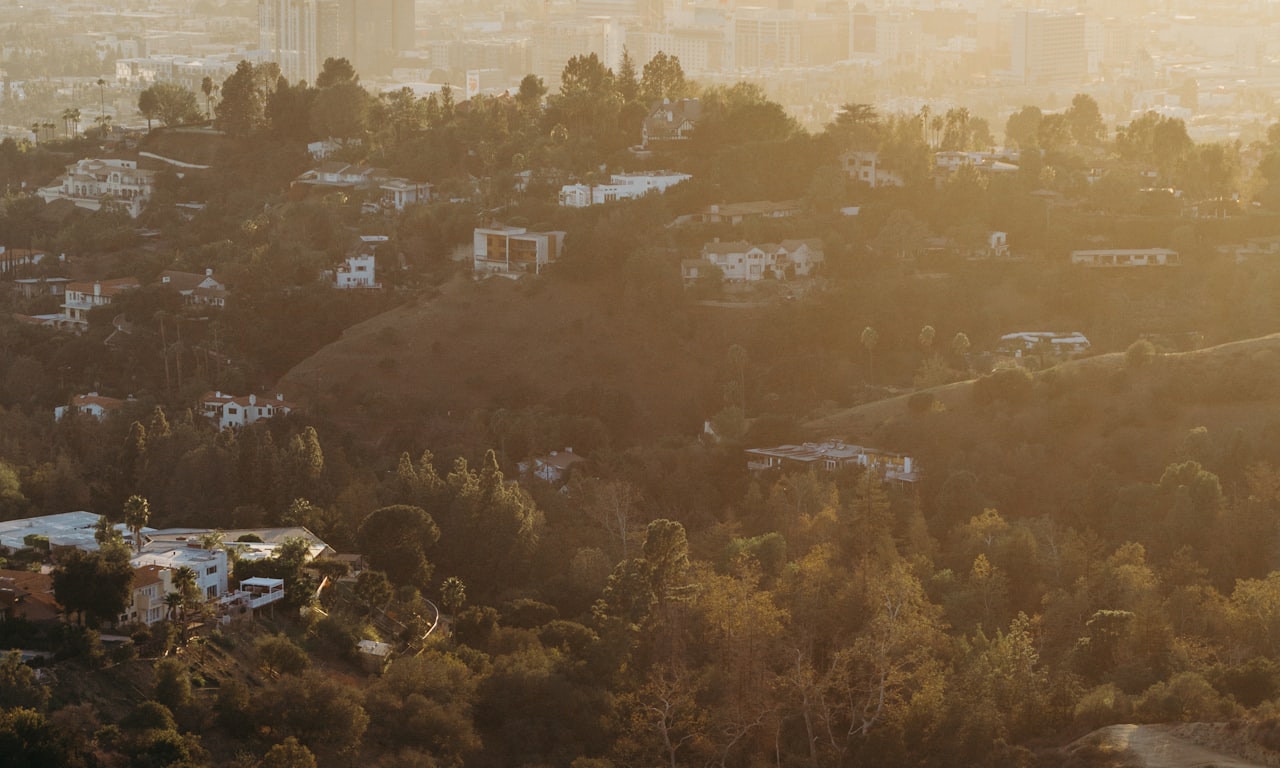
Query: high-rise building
x=1049, y=48
x=301, y=34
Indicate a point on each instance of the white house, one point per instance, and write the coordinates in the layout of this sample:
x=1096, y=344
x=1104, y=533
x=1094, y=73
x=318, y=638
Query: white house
x=209, y=565
x=231, y=411
x=398, y=193
x=92, y=404
x=865, y=167
x=514, y=250
x=357, y=272
x=91, y=183
x=621, y=186
x=1030, y=341
x=1126, y=257
x=739, y=261
x=80, y=297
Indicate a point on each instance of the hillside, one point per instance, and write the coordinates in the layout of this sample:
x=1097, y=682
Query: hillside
x=499, y=343
x=1070, y=420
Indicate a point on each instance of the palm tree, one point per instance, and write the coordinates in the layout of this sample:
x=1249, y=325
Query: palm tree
x=66, y=120
x=206, y=86
x=137, y=511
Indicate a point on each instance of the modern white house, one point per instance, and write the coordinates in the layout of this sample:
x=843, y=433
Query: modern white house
x=92, y=404
x=1126, y=257
x=621, y=186
x=231, y=411
x=81, y=297
x=209, y=565
x=514, y=250
x=357, y=272
x=92, y=183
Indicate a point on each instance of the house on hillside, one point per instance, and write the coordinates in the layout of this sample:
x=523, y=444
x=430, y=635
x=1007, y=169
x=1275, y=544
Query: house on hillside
x=865, y=167
x=742, y=262
x=514, y=250
x=196, y=289
x=392, y=192
x=63, y=531
x=736, y=213
x=237, y=412
x=146, y=601
x=621, y=186
x=209, y=565
x=831, y=456
x=1058, y=344
x=553, y=467
x=81, y=297
x=357, y=271
x=31, y=287
x=1126, y=257
x=92, y=404
x=670, y=121
x=93, y=183
x=28, y=595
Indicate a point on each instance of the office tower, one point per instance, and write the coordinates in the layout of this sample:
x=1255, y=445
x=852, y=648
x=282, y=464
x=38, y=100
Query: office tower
x=1049, y=47
x=301, y=34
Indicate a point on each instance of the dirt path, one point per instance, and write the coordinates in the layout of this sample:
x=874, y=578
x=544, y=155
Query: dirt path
x=1160, y=746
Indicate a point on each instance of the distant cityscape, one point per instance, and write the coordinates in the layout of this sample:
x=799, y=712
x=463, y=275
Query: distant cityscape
x=1214, y=64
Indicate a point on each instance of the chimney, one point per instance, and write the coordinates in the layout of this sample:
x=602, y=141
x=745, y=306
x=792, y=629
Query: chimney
x=217, y=393
x=253, y=399
x=279, y=395
x=208, y=272
x=164, y=279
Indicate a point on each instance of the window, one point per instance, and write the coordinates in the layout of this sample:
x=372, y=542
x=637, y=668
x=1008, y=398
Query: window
x=210, y=570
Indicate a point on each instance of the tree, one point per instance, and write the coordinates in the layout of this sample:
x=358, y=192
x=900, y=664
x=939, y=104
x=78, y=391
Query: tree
x=95, y=585
x=207, y=87
x=1023, y=127
x=1085, y=121
x=960, y=345
x=628, y=82
x=173, y=684
x=453, y=593
x=341, y=112
x=857, y=126
x=240, y=110
x=137, y=512
x=18, y=684
x=170, y=103
x=336, y=71
x=662, y=78
x=396, y=540
x=71, y=120
x=281, y=656
x=926, y=337
x=870, y=338
x=288, y=754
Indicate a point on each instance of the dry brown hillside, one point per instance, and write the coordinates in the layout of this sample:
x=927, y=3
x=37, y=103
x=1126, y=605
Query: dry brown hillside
x=1104, y=411
x=502, y=343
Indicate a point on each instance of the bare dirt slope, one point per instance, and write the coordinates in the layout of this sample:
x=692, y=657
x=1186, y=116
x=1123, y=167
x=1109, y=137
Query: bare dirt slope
x=1192, y=745
x=499, y=343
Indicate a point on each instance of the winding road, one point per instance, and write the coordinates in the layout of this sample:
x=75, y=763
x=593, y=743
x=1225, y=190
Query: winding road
x=1158, y=746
